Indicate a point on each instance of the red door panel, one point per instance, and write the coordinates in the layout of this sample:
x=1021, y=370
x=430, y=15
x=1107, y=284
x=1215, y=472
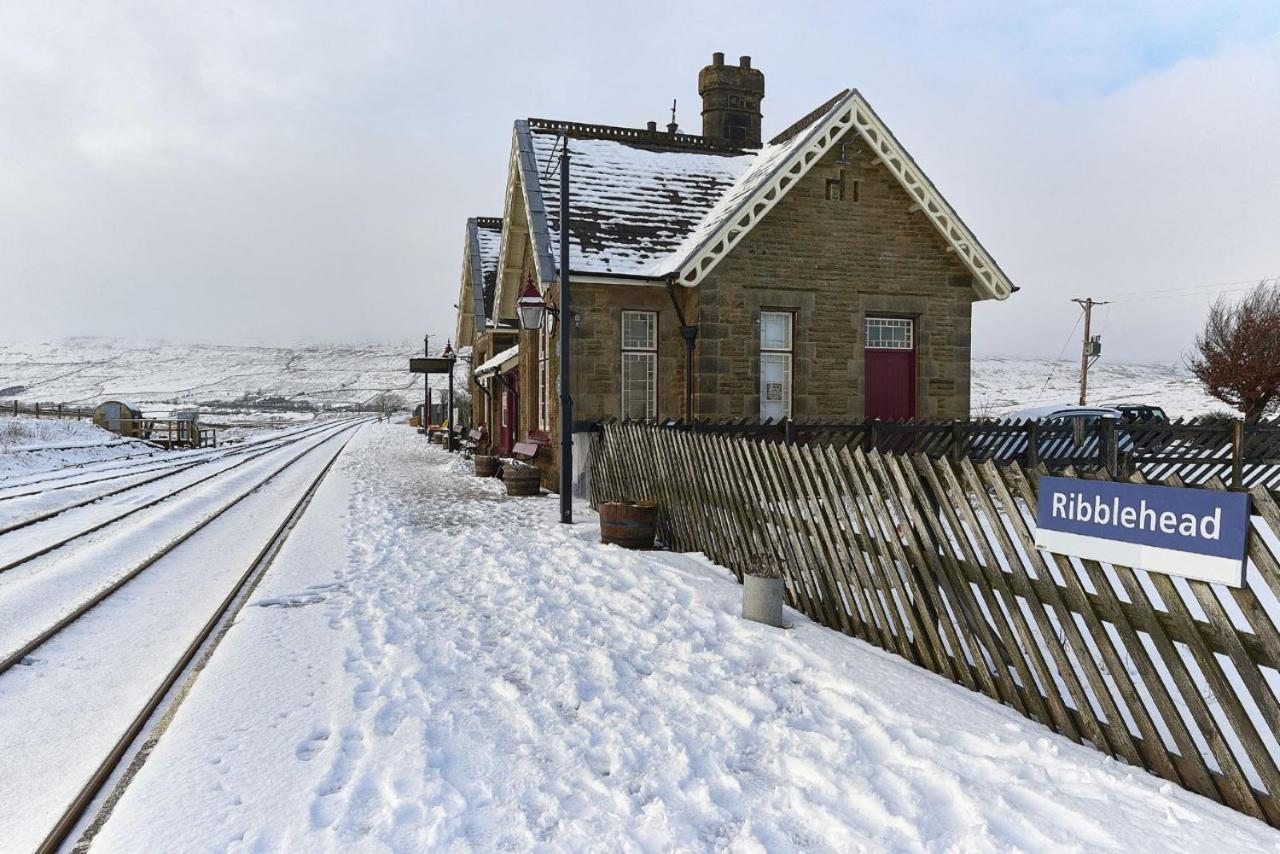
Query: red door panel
x=507, y=420
x=890, y=384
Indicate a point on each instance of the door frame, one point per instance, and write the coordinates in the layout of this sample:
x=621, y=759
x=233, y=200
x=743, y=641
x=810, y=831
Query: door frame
x=914, y=350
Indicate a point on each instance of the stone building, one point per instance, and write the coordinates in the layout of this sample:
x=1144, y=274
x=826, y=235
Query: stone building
x=819, y=275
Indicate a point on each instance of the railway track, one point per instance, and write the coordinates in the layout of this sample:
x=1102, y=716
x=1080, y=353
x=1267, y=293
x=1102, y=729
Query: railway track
x=94, y=632
x=41, y=483
x=249, y=453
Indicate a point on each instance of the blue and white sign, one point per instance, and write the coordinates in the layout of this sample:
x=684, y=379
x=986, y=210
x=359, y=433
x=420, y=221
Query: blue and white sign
x=1195, y=533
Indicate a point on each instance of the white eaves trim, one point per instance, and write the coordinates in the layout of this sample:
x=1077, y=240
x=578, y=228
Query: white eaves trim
x=851, y=111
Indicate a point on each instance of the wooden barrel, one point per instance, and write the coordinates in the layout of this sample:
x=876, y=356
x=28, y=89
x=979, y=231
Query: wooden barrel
x=522, y=481
x=486, y=466
x=628, y=525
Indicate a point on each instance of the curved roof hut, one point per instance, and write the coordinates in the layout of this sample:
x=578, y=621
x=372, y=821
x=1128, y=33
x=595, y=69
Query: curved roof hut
x=120, y=417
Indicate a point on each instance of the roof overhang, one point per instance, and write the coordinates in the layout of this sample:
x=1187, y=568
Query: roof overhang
x=524, y=214
x=499, y=364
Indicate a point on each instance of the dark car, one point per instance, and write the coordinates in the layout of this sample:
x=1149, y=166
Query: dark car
x=1140, y=413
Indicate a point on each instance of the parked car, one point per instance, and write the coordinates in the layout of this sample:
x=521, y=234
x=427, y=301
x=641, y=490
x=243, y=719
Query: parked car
x=1067, y=433
x=1139, y=413
x=1057, y=413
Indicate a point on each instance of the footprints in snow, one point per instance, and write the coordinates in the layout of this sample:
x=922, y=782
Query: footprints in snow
x=312, y=595
x=311, y=746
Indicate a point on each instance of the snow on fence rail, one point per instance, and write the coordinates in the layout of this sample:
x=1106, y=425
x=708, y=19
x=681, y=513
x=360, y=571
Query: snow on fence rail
x=1241, y=455
x=45, y=410
x=933, y=559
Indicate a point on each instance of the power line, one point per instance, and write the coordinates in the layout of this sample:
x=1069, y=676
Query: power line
x=1211, y=294
x=1192, y=290
x=1180, y=288
x=1053, y=370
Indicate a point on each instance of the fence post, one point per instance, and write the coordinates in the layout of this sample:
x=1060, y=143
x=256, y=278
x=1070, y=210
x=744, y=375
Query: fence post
x=15, y=407
x=1107, y=447
x=787, y=437
x=873, y=434
x=1033, y=444
x=1237, y=454
x=37, y=410
x=958, y=434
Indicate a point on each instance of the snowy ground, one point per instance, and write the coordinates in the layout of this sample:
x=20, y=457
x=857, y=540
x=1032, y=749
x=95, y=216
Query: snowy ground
x=32, y=445
x=1002, y=385
x=430, y=665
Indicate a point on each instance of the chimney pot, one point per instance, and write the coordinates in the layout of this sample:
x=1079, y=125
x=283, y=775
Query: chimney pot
x=731, y=96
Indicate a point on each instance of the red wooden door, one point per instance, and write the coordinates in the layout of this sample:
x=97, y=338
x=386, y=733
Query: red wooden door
x=507, y=413
x=890, y=377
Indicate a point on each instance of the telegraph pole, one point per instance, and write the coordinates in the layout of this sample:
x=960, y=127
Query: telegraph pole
x=1090, y=346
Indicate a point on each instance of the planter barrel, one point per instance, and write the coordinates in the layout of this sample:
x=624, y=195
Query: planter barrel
x=631, y=526
x=522, y=481
x=486, y=466
x=762, y=599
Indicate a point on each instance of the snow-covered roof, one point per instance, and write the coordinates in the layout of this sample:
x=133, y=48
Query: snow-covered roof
x=127, y=404
x=492, y=366
x=654, y=205
x=634, y=201
x=486, y=239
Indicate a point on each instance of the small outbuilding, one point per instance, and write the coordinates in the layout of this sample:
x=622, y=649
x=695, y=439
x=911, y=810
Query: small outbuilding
x=120, y=417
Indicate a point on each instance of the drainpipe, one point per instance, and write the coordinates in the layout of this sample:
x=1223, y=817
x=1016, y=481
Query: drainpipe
x=690, y=335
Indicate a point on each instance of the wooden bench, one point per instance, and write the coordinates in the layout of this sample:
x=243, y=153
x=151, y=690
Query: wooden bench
x=525, y=450
x=476, y=439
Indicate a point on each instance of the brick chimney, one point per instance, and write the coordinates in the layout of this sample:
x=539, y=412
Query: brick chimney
x=731, y=96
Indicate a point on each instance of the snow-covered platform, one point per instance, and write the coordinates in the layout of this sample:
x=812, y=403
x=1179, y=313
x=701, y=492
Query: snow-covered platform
x=431, y=665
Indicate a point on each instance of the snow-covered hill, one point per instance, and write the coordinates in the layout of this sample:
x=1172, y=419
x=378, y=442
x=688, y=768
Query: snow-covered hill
x=1002, y=385
x=162, y=376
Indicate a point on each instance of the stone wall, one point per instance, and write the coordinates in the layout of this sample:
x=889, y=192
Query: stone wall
x=832, y=261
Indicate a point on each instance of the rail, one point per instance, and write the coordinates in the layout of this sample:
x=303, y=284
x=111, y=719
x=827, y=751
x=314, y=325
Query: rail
x=205, y=639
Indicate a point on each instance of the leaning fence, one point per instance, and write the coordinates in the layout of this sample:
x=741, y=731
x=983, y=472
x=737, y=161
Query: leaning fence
x=932, y=557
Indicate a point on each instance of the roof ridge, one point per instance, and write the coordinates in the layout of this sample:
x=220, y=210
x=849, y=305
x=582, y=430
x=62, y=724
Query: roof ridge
x=638, y=135
x=488, y=221
x=809, y=118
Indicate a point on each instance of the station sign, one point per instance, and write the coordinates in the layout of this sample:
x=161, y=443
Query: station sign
x=429, y=365
x=1194, y=533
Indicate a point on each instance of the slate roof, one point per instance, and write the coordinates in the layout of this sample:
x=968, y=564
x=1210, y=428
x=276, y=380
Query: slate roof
x=486, y=240
x=634, y=200
x=654, y=205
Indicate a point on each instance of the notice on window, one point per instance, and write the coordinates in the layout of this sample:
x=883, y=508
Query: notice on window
x=773, y=391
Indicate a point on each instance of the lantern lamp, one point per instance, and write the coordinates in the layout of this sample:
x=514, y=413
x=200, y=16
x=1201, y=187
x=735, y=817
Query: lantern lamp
x=531, y=305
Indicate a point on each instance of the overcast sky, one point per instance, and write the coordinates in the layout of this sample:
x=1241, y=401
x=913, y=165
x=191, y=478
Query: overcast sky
x=302, y=171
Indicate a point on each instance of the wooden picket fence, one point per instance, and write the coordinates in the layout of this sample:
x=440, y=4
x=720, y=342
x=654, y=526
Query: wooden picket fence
x=1239, y=454
x=933, y=559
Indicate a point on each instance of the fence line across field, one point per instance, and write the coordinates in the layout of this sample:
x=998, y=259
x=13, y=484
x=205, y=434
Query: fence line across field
x=46, y=410
x=932, y=556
